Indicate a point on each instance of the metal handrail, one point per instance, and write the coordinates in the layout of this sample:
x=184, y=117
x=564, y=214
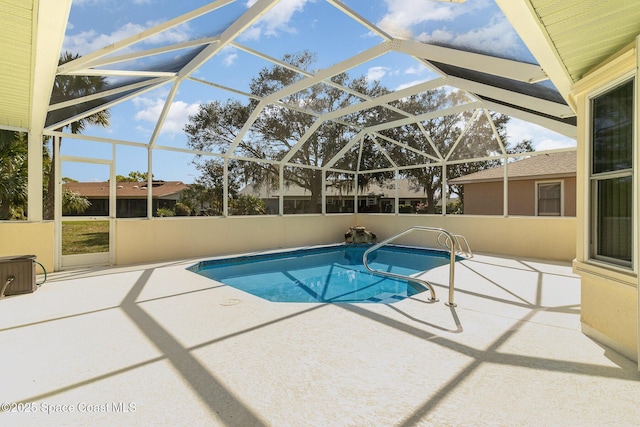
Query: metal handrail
x=428, y=285
x=468, y=253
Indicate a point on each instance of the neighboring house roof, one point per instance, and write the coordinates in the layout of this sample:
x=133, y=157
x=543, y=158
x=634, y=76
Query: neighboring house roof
x=550, y=165
x=129, y=190
x=405, y=191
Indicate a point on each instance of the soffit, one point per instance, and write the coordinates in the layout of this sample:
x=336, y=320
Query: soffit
x=16, y=62
x=31, y=34
x=585, y=33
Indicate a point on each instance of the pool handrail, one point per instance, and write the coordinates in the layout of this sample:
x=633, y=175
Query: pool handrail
x=463, y=249
x=452, y=260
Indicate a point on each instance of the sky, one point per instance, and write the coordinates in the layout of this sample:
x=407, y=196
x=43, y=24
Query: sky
x=291, y=26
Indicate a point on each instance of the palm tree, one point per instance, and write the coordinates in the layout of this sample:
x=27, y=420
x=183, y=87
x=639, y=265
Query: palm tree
x=13, y=172
x=73, y=203
x=66, y=88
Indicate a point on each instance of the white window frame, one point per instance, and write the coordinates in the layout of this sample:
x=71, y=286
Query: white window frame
x=590, y=189
x=552, y=181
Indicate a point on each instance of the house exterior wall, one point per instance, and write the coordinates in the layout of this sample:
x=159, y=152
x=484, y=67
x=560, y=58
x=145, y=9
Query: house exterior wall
x=522, y=198
x=570, y=196
x=609, y=295
x=486, y=198
x=483, y=198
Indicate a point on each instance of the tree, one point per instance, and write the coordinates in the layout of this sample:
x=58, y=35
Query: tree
x=64, y=89
x=73, y=203
x=206, y=195
x=246, y=204
x=444, y=131
x=13, y=172
x=134, y=176
x=181, y=209
x=281, y=126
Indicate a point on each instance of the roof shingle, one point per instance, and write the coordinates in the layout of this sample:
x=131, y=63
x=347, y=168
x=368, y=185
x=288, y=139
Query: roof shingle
x=543, y=165
x=128, y=190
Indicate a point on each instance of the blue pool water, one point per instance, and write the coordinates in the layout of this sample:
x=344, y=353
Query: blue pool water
x=328, y=274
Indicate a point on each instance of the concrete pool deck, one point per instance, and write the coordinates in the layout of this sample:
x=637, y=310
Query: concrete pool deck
x=159, y=345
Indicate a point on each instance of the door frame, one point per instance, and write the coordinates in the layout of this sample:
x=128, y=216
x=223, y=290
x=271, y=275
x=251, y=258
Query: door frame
x=92, y=259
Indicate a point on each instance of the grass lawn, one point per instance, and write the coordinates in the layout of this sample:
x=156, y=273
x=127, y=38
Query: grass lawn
x=85, y=237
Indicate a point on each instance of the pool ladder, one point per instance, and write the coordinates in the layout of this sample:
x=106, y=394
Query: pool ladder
x=456, y=244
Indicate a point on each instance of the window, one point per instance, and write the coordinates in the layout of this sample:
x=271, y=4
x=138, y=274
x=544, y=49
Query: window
x=611, y=175
x=549, y=198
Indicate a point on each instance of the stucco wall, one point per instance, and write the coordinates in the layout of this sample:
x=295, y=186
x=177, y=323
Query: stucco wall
x=28, y=238
x=522, y=198
x=531, y=237
x=485, y=198
x=609, y=308
x=140, y=241
x=609, y=303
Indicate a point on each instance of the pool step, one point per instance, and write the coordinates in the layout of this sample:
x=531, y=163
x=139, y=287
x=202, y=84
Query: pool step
x=386, y=298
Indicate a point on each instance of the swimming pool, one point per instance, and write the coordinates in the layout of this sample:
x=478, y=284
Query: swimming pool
x=326, y=274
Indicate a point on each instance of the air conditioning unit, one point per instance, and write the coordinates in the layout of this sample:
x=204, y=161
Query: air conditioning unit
x=17, y=275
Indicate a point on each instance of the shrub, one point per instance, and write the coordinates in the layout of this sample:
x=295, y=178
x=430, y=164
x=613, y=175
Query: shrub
x=181, y=209
x=406, y=209
x=165, y=212
x=421, y=208
x=247, y=205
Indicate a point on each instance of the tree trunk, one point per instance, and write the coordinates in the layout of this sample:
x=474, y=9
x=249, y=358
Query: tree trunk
x=316, y=192
x=48, y=206
x=49, y=200
x=431, y=205
x=4, y=209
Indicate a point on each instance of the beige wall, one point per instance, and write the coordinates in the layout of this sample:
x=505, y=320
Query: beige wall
x=609, y=295
x=27, y=238
x=485, y=198
x=570, y=196
x=140, y=241
x=531, y=237
x=609, y=308
x=174, y=238
x=522, y=198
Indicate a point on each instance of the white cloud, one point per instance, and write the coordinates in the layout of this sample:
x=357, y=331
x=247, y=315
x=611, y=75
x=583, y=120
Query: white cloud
x=89, y=41
x=150, y=109
x=377, y=73
x=409, y=84
x=230, y=59
x=554, y=144
x=417, y=69
x=542, y=138
x=498, y=36
x=276, y=20
x=404, y=14
x=440, y=35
